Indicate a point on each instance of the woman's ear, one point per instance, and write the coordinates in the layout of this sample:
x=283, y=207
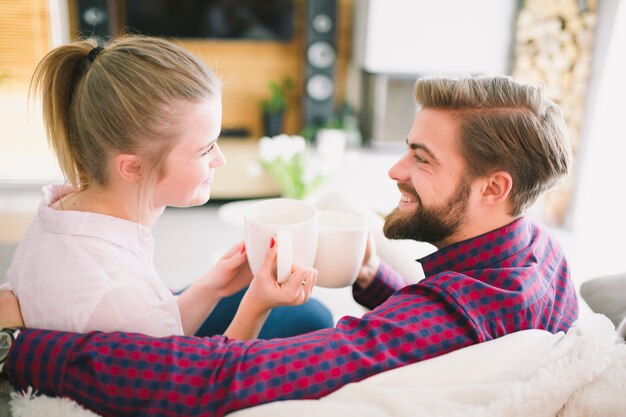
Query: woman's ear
x=497, y=187
x=128, y=167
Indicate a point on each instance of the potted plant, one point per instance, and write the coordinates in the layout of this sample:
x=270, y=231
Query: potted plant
x=273, y=107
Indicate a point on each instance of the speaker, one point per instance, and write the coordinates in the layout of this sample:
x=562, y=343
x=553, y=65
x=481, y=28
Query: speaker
x=96, y=18
x=320, y=58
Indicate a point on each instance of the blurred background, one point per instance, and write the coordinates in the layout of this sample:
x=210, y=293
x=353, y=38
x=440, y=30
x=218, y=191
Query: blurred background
x=340, y=74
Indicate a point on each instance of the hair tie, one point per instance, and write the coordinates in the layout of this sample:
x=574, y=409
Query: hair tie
x=93, y=53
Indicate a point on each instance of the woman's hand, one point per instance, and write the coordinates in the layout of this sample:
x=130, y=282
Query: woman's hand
x=265, y=293
x=10, y=314
x=231, y=273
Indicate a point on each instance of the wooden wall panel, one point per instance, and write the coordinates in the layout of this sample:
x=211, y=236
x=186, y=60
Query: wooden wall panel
x=246, y=67
x=24, y=38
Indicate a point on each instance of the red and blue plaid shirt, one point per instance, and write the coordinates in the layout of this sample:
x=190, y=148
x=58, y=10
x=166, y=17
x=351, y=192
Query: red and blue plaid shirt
x=510, y=279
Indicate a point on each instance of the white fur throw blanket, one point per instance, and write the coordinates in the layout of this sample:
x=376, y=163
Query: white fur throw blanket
x=529, y=373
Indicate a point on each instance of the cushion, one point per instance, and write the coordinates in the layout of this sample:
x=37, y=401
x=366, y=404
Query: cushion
x=607, y=295
x=621, y=329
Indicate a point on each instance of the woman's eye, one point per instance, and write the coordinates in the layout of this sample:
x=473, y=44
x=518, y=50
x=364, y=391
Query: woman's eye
x=208, y=151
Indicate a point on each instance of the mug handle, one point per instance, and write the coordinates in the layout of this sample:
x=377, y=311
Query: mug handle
x=284, y=257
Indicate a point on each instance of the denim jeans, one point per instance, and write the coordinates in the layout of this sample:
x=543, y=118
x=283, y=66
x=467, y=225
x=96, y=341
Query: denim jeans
x=282, y=321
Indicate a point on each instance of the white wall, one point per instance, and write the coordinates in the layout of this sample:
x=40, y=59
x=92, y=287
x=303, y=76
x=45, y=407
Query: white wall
x=434, y=37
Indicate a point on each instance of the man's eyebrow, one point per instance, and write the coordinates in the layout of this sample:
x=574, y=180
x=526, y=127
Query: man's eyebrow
x=414, y=146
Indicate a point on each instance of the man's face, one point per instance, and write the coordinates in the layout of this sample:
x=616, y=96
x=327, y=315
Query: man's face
x=431, y=178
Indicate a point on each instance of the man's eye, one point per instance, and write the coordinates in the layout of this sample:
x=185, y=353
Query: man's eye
x=420, y=160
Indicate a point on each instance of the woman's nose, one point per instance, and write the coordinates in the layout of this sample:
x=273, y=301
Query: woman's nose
x=218, y=160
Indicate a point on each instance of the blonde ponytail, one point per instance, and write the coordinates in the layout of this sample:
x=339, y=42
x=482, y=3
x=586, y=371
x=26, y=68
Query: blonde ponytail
x=55, y=78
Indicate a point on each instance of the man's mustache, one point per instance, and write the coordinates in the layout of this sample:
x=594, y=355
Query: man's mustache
x=405, y=188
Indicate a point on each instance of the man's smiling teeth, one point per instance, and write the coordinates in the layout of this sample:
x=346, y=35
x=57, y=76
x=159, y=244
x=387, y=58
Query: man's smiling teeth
x=405, y=198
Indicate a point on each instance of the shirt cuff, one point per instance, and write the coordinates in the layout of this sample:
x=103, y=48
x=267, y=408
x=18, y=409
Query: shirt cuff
x=30, y=363
x=385, y=283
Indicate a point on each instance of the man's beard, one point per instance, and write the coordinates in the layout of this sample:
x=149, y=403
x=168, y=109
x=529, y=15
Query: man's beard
x=433, y=225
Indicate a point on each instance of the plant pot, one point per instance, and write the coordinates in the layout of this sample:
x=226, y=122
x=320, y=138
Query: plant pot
x=272, y=123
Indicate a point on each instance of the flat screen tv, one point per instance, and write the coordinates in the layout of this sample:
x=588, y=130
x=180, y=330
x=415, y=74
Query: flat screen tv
x=220, y=19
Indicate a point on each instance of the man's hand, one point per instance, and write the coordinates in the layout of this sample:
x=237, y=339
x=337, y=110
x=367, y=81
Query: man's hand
x=10, y=314
x=371, y=263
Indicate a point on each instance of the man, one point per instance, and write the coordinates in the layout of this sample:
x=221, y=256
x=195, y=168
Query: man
x=481, y=150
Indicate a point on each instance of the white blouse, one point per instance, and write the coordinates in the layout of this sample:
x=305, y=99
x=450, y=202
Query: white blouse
x=80, y=271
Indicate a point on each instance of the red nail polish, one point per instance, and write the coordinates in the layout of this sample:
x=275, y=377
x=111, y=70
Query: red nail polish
x=272, y=242
x=243, y=249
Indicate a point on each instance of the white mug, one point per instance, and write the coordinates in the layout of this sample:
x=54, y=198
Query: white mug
x=294, y=225
x=342, y=240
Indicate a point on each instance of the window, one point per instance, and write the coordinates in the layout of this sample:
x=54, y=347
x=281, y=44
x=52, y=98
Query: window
x=29, y=29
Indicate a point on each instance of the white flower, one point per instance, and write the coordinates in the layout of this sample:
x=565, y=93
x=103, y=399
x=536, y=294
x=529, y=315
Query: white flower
x=286, y=159
x=298, y=143
x=283, y=147
x=268, y=152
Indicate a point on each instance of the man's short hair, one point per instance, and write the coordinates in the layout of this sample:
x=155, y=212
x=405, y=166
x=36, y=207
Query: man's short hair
x=504, y=125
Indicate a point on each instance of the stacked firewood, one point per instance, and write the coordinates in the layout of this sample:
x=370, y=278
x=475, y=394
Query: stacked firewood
x=554, y=42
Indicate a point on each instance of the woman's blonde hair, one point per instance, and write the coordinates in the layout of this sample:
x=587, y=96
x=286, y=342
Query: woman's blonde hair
x=504, y=125
x=124, y=97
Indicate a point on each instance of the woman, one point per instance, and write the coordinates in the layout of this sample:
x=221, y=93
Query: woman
x=134, y=125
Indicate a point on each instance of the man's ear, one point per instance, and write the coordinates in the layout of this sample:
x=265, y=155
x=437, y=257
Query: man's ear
x=128, y=167
x=497, y=187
